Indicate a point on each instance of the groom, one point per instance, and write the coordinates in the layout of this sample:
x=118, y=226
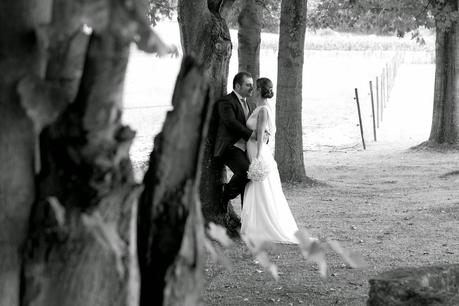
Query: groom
x=232, y=135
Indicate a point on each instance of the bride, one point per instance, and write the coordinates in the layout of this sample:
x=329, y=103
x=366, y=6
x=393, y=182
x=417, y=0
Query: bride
x=266, y=214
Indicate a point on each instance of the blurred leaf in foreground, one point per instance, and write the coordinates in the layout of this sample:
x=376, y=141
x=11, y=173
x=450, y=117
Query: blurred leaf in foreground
x=218, y=233
x=258, y=248
x=217, y=254
x=312, y=250
x=352, y=258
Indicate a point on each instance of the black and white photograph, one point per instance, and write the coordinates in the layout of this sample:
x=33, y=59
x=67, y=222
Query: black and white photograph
x=229, y=152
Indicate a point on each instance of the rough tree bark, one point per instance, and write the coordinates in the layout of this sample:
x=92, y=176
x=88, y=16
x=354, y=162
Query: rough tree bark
x=205, y=35
x=64, y=221
x=19, y=56
x=86, y=167
x=249, y=37
x=170, y=226
x=445, y=120
x=289, y=135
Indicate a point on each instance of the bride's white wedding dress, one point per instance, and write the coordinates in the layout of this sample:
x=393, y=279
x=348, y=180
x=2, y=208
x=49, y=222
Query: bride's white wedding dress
x=266, y=214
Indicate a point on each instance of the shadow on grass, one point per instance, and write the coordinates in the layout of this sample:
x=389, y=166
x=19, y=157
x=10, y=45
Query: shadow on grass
x=449, y=174
x=435, y=147
x=308, y=183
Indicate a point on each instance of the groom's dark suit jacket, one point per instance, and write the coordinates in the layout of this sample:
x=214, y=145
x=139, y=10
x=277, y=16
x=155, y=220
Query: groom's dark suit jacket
x=231, y=123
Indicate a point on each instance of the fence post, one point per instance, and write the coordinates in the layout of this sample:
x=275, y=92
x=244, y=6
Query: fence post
x=360, y=117
x=373, y=110
x=377, y=101
x=387, y=83
x=382, y=97
x=384, y=87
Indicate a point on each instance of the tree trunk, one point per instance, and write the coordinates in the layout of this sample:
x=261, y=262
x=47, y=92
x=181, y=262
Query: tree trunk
x=249, y=38
x=69, y=237
x=170, y=225
x=80, y=257
x=289, y=135
x=19, y=56
x=205, y=35
x=445, y=120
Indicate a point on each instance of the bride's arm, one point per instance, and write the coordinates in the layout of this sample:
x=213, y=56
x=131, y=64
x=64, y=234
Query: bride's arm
x=262, y=121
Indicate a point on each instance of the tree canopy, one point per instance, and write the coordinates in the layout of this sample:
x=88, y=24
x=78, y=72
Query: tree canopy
x=270, y=14
x=160, y=9
x=379, y=17
x=382, y=17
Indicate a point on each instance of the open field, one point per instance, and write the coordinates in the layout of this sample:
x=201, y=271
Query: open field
x=392, y=204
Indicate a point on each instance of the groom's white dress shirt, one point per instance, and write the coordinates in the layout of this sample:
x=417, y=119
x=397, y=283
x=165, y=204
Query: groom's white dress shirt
x=241, y=143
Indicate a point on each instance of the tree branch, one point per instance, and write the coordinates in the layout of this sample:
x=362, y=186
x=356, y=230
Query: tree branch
x=194, y=10
x=225, y=8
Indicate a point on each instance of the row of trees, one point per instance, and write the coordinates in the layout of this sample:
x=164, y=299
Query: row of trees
x=66, y=186
x=406, y=16
x=367, y=16
x=208, y=39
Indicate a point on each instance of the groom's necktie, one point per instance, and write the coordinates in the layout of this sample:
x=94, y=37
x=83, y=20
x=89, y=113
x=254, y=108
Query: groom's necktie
x=245, y=107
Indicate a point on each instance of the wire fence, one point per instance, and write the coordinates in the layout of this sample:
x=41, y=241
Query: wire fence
x=379, y=92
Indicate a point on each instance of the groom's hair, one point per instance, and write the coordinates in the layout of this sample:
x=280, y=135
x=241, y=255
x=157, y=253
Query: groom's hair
x=239, y=78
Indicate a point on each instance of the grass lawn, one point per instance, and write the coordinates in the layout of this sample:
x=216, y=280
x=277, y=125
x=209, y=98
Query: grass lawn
x=393, y=207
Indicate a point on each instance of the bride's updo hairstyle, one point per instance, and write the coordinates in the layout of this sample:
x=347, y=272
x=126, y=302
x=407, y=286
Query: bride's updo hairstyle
x=266, y=87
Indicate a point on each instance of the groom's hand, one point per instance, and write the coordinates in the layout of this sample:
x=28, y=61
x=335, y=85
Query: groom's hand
x=266, y=137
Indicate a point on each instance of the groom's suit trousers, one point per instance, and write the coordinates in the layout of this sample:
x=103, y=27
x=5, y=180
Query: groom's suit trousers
x=237, y=161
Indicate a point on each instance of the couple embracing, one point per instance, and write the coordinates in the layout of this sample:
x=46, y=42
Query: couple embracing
x=244, y=128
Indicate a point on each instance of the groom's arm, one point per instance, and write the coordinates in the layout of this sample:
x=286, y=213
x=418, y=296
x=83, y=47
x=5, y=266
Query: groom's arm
x=228, y=117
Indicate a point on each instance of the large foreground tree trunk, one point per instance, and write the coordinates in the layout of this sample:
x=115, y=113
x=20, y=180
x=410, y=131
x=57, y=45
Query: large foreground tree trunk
x=65, y=203
x=289, y=99
x=86, y=168
x=170, y=226
x=205, y=35
x=19, y=57
x=249, y=38
x=445, y=120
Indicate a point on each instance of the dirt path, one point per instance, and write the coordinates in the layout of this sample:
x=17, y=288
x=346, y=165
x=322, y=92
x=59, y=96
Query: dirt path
x=397, y=207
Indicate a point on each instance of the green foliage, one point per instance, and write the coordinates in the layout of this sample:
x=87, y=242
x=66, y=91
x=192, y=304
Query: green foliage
x=372, y=16
x=384, y=17
x=445, y=12
x=270, y=11
x=271, y=15
x=160, y=9
x=355, y=16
